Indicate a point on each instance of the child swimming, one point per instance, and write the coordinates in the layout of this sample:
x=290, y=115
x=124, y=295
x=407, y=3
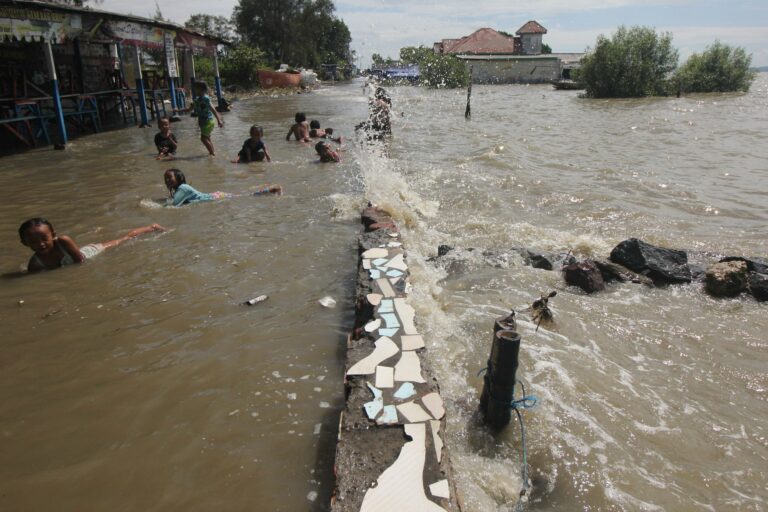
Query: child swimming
x=52, y=251
x=254, y=149
x=326, y=153
x=181, y=193
x=300, y=129
x=165, y=141
x=205, y=112
x=316, y=132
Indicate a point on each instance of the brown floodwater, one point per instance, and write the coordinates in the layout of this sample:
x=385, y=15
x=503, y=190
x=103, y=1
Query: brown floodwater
x=138, y=381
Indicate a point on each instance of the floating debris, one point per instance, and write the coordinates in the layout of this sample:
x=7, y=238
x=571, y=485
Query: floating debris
x=251, y=302
x=327, y=302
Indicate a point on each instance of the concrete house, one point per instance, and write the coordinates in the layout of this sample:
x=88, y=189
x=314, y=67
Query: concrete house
x=531, y=35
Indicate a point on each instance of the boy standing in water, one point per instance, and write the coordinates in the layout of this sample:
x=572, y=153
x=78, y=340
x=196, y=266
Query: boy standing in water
x=165, y=141
x=205, y=112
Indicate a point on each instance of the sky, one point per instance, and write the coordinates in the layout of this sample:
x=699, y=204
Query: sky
x=385, y=26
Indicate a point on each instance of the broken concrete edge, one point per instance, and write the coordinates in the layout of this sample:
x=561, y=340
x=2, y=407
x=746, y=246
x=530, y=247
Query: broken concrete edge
x=364, y=449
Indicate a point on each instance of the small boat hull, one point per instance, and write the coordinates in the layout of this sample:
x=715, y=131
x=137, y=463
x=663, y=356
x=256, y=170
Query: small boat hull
x=270, y=79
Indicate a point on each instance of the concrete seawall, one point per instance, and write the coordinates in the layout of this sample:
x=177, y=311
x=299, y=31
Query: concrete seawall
x=390, y=454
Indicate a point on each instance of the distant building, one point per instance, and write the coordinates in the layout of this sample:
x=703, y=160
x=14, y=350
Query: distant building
x=530, y=36
x=494, y=57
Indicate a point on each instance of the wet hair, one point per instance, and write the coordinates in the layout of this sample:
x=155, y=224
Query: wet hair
x=161, y=119
x=300, y=117
x=258, y=129
x=319, y=146
x=31, y=223
x=314, y=124
x=178, y=176
x=202, y=85
x=329, y=131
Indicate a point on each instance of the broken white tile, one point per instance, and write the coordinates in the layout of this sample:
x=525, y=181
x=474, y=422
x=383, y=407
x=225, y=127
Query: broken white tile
x=374, y=298
x=437, y=441
x=408, y=368
x=372, y=325
x=406, y=314
x=406, y=390
x=380, y=261
x=411, y=342
x=385, y=348
x=390, y=319
x=394, y=273
x=440, y=489
x=375, y=274
x=385, y=377
x=388, y=417
x=401, y=486
x=386, y=306
x=413, y=412
x=367, y=264
x=434, y=404
x=385, y=288
x=388, y=331
x=408, y=288
x=374, y=407
x=394, y=244
x=394, y=235
x=376, y=252
x=394, y=280
x=398, y=262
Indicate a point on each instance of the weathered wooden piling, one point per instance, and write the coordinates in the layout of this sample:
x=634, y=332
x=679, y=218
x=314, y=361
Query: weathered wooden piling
x=499, y=379
x=468, y=111
x=390, y=453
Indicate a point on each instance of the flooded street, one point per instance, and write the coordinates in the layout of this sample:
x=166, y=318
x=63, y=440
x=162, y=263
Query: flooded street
x=138, y=381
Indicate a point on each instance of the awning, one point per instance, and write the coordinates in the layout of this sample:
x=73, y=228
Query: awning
x=21, y=24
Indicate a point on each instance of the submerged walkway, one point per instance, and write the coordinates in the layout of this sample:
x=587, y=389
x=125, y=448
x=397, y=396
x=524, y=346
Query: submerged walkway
x=390, y=454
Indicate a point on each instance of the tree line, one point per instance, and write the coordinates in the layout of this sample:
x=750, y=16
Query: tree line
x=638, y=61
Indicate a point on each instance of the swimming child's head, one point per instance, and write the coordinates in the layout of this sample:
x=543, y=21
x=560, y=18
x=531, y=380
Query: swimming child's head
x=37, y=234
x=300, y=117
x=163, y=124
x=329, y=131
x=322, y=148
x=174, y=178
x=256, y=132
x=201, y=88
x=314, y=124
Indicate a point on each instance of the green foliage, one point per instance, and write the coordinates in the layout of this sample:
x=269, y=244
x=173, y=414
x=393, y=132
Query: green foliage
x=240, y=65
x=635, y=62
x=216, y=26
x=298, y=32
x=440, y=71
x=720, y=68
x=546, y=49
x=381, y=62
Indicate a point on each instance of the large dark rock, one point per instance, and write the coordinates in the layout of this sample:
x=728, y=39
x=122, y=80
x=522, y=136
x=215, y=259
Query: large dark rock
x=759, y=265
x=585, y=275
x=726, y=279
x=663, y=265
x=758, y=285
x=544, y=259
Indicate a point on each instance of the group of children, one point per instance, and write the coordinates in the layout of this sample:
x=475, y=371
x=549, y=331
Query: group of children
x=53, y=251
x=254, y=149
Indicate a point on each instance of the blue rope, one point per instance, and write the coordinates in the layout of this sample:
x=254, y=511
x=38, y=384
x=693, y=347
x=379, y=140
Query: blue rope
x=527, y=402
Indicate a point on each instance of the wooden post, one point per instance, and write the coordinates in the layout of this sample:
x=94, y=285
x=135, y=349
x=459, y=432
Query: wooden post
x=140, y=89
x=499, y=379
x=56, y=97
x=222, y=106
x=468, y=111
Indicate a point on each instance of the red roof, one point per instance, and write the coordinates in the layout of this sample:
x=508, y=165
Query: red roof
x=485, y=40
x=531, y=27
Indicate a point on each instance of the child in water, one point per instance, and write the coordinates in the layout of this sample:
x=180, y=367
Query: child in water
x=165, y=140
x=205, y=112
x=300, y=129
x=254, y=149
x=316, y=132
x=181, y=193
x=326, y=153
x=52, y=251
